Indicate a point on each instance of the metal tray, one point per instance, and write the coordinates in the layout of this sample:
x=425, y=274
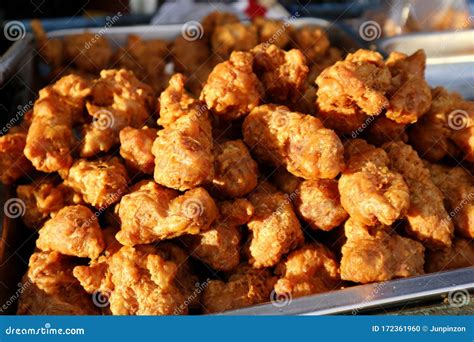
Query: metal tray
x=17, y=242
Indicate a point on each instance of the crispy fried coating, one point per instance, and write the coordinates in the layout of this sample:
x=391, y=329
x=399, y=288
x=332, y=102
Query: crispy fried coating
x=459, y=255
x=154, y=213
x=274, y=229
x=235, y=170
x=87, y=51
x=285, y=181
x=118, y=100
x=311, y=269
x=428, y=221
x=135, y=148
x=370, y=191
x=372, y=254
x=190, y=55
x=457, y=186
x=446, y=129
x=50, y=138
x=382, y=130
x=232, y=89
x=332, y=55
x=298, y=141
x=410, y=94
x=245, y=287
x=312, y=41
x=216, y=19
x=283, y=73
x=359, y=83
x=237, y=212
x=183, y=152
x=274, y=32
x=233, y=37
x=101, y=182
x=13, y=163
x=73, y=231
x=318, y=203
x=51, y=289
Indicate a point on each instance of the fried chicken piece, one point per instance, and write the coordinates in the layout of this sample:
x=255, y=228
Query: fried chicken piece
x=311, y=269
x=286, y=182
x=51, y=50
x=446, y=129
x=87, y=51
x=190, y=55
x=13, y=163
x=457, y=186
x=73, y=231
x=428, y=221
x=233, y=37
x=235, y=170
x=50, y=138
x=357, y=84
x=313, y=42
x=274, y=229
x=232, y=89
x=372, y=254
x=382, y=130
x=299, y=142
x=283, y=73
x=135, y=148
x=459, y=255
x=101, y=182
x=274, y=32
x=153, y=213
x=41, y=200
x=146, y=58
x=245, y=287
x=215, y=19
x=51, y=289
x=318, y=203
x=238, y=211
x=118, y=100
x=370, y=191
x=410, y=94
x=183, y=151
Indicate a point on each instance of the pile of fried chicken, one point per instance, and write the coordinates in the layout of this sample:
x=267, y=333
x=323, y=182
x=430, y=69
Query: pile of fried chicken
x=291, y=172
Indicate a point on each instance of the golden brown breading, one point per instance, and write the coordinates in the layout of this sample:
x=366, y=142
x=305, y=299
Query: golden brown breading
x=312, y=41
x=373, y=254
x=216, y=19
x=237, y=212
x=154, y=213
x=87, y=51
x=190, y=55
x=49, y=288
x=235, y=170
x=50, y=138
x=101, y=182
x=283, y=73
x=370, y=191
x=135, y=148
x=183, y=152
x=457, y=185
x=73, y=231
x=410, y=95
x=13, y=163
x=232, y=89
x=245, y=287
x=446, y=129
x=286, y=182
x=459, y=255
x=274, y=32
x=298, y=141
x=428, y=221
x=311, y=269
x=332, y=55
x=274, y=229
x=318, y=203
x=382, y=130
x=358, y=83
x=233, y=37
x=118, y=100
